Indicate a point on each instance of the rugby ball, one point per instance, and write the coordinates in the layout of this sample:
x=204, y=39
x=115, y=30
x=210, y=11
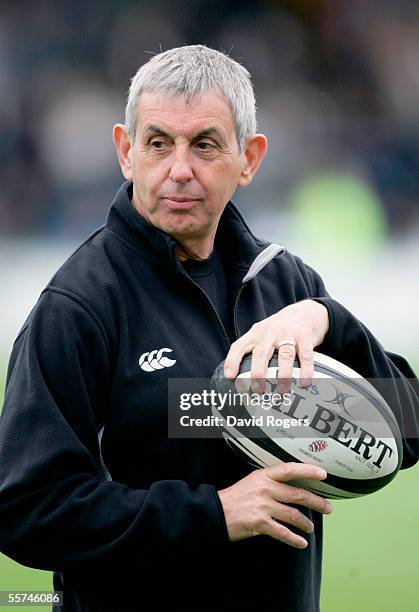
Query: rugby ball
x=340, y=422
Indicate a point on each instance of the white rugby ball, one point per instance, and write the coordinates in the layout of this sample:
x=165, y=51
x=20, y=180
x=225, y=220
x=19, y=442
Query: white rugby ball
x=340, y=422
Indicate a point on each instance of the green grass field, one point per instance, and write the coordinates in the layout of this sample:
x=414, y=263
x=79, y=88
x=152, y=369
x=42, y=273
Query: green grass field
x=371, y=559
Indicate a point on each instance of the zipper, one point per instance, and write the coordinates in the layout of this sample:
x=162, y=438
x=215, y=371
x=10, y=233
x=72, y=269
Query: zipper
x=236, y=329
x=217, y=316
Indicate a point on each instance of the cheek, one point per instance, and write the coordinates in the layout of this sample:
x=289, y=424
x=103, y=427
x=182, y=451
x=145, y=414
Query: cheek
x=147, y=176
x=222, y=172
x=226, y=179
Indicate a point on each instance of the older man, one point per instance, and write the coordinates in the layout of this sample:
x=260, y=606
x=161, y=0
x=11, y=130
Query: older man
x=130, y=519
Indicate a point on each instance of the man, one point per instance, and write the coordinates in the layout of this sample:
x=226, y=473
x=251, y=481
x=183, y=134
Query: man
x=133, y=520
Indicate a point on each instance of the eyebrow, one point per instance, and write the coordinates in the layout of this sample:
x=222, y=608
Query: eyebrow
x=211, y=131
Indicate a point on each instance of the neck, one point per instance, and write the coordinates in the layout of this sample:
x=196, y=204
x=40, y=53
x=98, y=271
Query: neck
x=193, y=249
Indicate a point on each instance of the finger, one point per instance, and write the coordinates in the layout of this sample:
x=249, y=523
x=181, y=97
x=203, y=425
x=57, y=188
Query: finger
x=306, y=359
x=292, y=516
x=261, y=355
x=280, y=532
x=290, y=494
x=282, y=472
x=238, y=349
x=286, y=357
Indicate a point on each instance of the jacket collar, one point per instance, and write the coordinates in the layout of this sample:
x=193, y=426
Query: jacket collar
x=234, y=238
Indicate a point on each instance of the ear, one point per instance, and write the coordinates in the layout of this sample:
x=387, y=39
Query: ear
x=253, y=154
x=123, y=149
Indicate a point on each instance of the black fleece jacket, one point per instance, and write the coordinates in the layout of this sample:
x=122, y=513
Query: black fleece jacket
x=154, y=537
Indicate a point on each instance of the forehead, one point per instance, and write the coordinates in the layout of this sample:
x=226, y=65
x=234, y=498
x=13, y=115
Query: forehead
x=175, y=114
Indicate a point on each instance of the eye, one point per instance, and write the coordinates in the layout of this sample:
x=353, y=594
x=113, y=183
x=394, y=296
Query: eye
x=158, y=144
x=203, y=145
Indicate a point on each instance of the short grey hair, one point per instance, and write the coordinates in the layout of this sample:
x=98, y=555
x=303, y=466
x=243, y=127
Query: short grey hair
x=191, y=71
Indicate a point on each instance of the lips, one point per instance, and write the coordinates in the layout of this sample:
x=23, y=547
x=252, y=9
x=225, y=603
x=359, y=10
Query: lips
x=183, y=198
x=180, y=203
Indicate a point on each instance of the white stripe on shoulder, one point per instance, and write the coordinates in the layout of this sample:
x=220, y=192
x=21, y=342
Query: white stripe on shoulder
x=262, y=259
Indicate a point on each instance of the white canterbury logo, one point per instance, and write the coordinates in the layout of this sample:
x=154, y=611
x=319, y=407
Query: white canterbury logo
x=154, y=360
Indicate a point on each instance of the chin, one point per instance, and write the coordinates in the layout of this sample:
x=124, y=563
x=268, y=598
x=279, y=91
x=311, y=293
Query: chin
x=185, y=228
x=185, y=232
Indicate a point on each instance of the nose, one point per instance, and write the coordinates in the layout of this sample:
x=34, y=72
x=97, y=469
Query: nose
x=181, y=169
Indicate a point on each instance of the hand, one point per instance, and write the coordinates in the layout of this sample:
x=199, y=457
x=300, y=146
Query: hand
x=303, y=324
x=254, y=505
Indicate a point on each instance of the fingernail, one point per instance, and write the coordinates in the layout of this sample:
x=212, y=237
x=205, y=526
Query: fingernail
x=329, y=508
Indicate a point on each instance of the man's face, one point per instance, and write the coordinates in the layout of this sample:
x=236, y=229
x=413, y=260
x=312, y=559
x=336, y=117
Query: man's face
x=185, y=163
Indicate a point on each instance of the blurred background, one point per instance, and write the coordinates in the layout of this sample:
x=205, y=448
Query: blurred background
x=337, y=86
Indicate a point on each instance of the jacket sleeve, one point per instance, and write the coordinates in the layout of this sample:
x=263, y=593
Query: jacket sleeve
x=57, y=510
x=349, y=341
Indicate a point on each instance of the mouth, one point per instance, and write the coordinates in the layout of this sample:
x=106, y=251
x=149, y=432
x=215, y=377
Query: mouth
x=180, y=203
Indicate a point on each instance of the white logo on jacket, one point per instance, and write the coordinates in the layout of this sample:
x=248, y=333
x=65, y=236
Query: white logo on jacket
x=154, y=360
